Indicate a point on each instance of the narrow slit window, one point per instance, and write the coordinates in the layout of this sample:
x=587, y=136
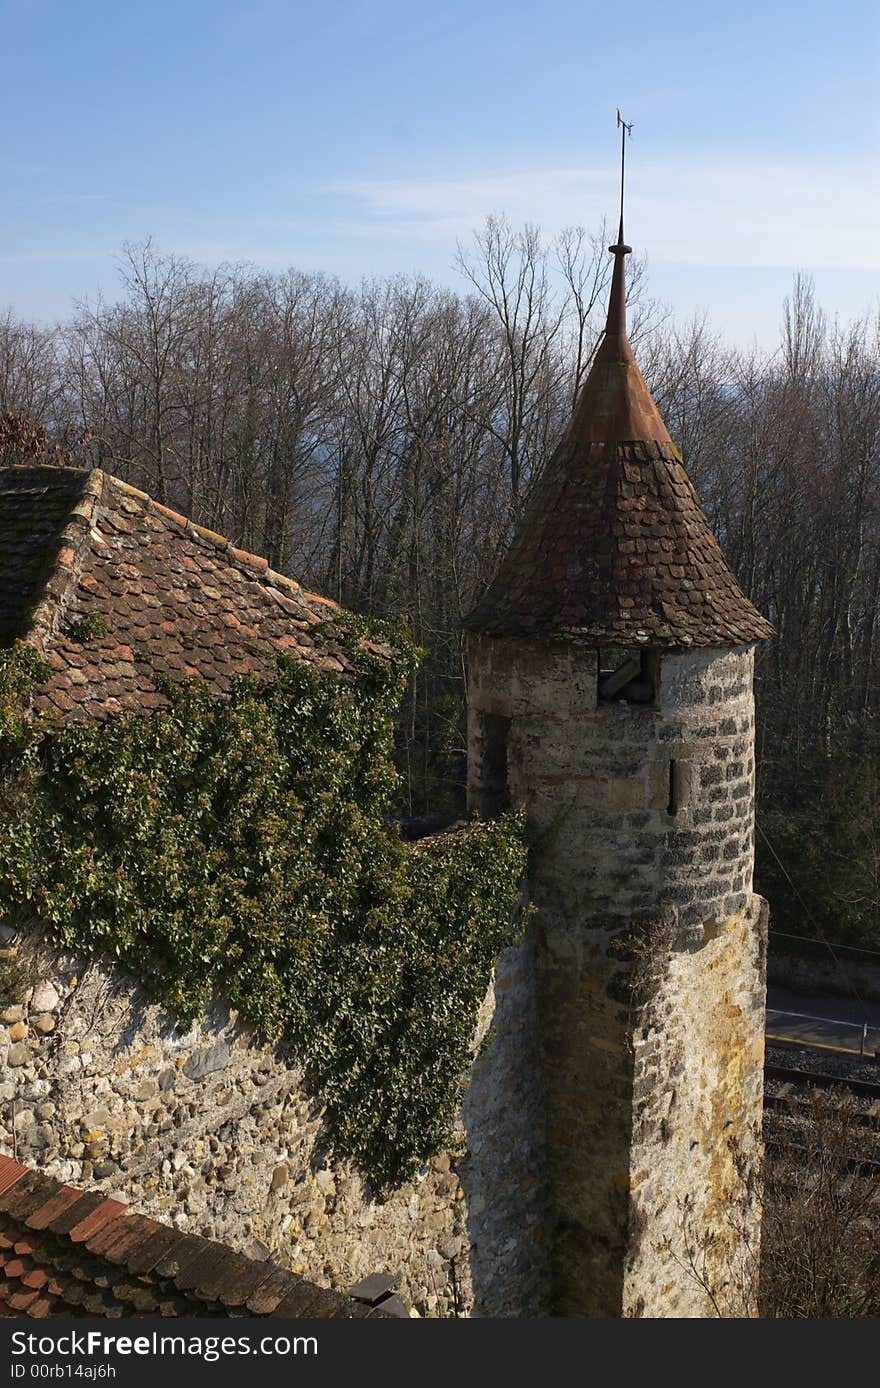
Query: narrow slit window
x=495, y=790
x=677, y=786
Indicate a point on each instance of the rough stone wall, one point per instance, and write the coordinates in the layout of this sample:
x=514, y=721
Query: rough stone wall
x=213, y=1133
x=503, y=1171
x=622, y=883
x=698, y=1062
x=580, y=765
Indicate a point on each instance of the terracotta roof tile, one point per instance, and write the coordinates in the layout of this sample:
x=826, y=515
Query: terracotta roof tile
x=153, y=1248
x=21, y=1300
x=22, y=1197
x=303, y=1301
x=269, y=1294
x=73, y=1214
x=90, y=1257
x=9, y=1176
x=125, y=1240
x=239, y=1280
x=41, y=1307
x=188, y=1249
x=105, y=1214
x=35, y=505
x=203, y=1271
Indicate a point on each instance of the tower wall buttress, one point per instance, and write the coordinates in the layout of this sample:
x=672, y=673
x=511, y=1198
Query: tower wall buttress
x=650, y=965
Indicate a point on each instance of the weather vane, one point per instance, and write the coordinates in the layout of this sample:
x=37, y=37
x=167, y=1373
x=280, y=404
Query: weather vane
x=625, y=129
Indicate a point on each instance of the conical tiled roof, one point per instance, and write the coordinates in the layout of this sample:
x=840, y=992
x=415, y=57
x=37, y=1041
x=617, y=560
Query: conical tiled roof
x=614, y=547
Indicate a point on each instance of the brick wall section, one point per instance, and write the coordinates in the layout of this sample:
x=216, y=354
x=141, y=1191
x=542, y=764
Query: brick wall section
x=218, y=1136
x=646, y=955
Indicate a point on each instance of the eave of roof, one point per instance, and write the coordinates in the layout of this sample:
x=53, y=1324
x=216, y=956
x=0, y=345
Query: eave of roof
x=65, y=1251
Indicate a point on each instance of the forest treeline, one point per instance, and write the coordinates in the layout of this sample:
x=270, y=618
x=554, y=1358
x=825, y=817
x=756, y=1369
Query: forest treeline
x=379, y=444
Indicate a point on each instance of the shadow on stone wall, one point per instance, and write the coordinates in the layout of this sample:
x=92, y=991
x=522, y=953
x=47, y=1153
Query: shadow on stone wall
x=503, y=1172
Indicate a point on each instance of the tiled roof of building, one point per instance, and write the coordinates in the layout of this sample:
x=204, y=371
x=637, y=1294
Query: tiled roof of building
x=173, y=598
x=614, y=547
x=65, y=1252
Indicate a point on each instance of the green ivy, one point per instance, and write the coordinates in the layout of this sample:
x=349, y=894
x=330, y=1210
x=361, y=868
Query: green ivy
x=90, y=628
x=244, y=845
x=20, y=669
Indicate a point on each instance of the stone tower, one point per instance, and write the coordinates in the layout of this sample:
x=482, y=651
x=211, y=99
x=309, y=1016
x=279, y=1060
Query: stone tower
x=610, y=692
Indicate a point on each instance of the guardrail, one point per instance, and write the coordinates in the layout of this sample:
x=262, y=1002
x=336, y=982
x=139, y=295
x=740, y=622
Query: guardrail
x=862, y=1028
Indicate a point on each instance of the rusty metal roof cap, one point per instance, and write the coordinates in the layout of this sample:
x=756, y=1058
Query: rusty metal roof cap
x=615, y=405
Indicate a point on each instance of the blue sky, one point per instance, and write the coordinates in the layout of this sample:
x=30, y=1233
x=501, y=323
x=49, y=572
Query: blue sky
x=364, y=137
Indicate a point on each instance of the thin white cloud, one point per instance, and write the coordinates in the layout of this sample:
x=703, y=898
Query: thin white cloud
x=731, y=213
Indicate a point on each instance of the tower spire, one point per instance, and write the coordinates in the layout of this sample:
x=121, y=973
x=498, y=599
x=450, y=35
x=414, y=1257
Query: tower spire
x=615, y=405
x=591, y=558
x=615, y=326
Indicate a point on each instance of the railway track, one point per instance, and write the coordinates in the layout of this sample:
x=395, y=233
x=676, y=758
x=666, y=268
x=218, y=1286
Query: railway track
x=786, y=1098
x=810, y=1079
x=863, y=1167
x=800, y=1108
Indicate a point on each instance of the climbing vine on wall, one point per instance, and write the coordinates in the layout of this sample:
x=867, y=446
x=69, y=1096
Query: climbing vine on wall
x=243, y=845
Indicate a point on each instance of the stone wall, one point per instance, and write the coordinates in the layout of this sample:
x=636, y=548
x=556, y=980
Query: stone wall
x=650, y=986
x=503, y=1170
x=698, y=1061
x=218, y=1135
x=580, y=764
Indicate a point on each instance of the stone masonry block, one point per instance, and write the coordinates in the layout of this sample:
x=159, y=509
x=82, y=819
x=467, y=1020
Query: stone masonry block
x=625, y=794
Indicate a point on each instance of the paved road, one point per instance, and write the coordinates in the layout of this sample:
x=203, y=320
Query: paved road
x=825, y=1021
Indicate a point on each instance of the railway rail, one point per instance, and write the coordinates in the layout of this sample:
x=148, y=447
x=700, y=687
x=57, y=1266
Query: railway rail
x=867, y=1089
x=786, y=1098
x=863, y=1167
x=799, y=1108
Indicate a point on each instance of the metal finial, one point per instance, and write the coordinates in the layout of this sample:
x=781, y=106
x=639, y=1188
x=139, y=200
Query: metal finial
x=625, y=129
x=615, y=326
